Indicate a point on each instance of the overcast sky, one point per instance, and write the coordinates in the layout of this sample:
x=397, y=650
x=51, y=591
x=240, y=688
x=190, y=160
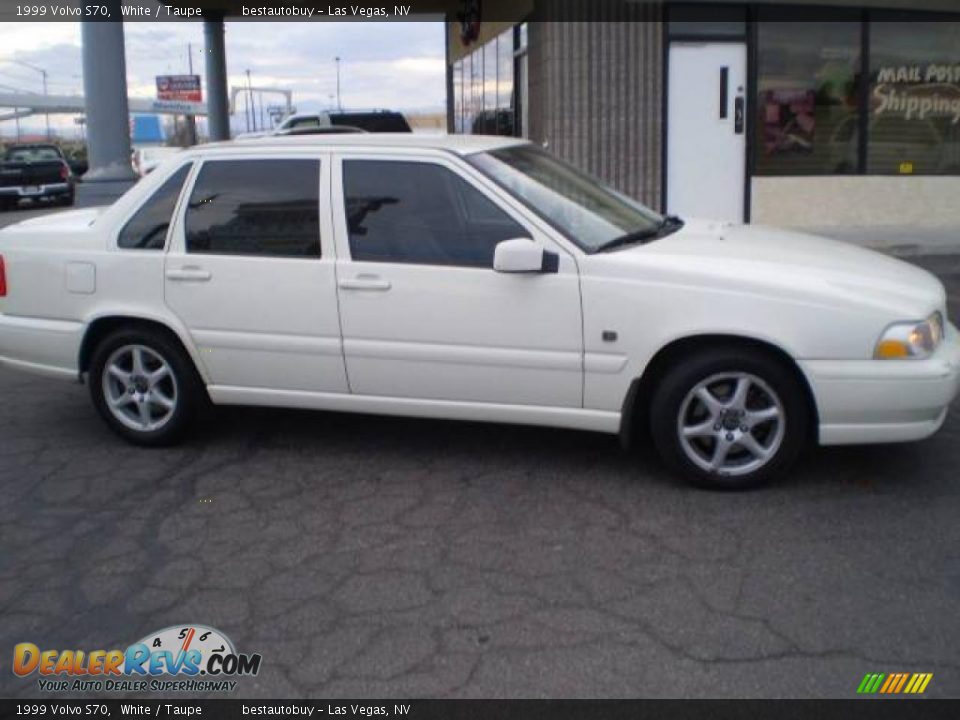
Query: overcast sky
x=397, y=65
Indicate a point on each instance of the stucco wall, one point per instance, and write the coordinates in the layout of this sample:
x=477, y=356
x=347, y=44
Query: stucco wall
x=860, y=201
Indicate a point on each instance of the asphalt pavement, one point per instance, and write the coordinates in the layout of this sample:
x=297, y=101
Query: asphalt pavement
x=386, y=557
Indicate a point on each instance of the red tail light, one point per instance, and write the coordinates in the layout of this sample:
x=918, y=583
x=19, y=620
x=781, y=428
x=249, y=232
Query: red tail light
x=64, y=171
x=3, y=278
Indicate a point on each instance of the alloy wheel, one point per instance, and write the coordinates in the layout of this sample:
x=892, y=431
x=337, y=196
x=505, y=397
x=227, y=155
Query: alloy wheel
x=731, y=424
x=140, y=388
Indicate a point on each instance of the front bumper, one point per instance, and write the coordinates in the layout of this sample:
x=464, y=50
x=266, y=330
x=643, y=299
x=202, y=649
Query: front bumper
x=37, y=191
x=878, y=401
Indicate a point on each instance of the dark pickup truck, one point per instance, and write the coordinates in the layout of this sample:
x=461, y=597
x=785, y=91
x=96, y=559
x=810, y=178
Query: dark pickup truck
x=35, y=172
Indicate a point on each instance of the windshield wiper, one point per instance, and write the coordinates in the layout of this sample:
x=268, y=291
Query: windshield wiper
x=669, y=224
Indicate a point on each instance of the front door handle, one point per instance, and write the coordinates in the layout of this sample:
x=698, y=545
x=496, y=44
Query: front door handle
x=189, y=274
x=738, y=115
x=364, y=282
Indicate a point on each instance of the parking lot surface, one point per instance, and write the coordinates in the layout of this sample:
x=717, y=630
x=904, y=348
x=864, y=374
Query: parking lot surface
x=388, y=557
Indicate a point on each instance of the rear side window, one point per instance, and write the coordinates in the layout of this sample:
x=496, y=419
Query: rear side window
x=423, y=213
x=147, y=229
x=256, y=207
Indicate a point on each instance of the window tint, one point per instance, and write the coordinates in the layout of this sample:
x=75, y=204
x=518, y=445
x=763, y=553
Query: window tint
x=256, y=207
x=411, y=212
x=147, y=230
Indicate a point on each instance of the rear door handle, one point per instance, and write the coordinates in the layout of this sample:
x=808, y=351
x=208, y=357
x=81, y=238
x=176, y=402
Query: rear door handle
x=189, y=274
x=364, y=282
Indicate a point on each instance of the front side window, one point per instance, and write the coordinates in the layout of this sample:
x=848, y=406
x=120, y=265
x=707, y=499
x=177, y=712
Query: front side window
x=591, y=214
x=419, y=212
x=147, y=229
x=255, y=207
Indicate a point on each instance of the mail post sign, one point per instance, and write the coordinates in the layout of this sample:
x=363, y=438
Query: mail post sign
x=181, y=88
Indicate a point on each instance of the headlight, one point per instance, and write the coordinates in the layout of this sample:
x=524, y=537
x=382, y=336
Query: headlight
x=910, y=339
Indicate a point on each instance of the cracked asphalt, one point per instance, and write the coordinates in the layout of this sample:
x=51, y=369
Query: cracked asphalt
x=385, y=557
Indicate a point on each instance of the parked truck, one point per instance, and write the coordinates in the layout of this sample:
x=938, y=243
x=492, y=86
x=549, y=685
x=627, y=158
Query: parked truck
x=35, y=172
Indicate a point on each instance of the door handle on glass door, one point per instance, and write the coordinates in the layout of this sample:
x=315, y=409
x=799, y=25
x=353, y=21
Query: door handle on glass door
x=364, y=282
x=191, y=273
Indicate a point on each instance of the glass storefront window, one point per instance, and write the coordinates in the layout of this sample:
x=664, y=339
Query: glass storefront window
x=483, y=85
x=808, y=98
x=914, y=120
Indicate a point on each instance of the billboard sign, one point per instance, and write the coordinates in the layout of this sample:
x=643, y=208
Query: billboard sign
x=179, y=88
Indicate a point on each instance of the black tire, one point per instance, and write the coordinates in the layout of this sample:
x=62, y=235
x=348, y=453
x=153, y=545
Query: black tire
x=770, y=380
x=7, y=204
x=188, y=391
x=68, y=200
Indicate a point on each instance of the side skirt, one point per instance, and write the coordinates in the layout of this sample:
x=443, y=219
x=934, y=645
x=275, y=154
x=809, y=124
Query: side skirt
x=573, y=418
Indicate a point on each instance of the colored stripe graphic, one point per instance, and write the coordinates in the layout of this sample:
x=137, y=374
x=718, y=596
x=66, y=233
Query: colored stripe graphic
x=894, y=683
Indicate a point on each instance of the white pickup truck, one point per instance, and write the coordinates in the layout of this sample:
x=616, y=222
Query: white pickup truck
x=478, y=279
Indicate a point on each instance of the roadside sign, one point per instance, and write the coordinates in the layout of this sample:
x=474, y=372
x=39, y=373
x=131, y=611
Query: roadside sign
x=181, y=88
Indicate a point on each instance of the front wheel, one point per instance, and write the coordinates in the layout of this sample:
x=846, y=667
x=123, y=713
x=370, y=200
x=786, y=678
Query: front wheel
x=144, y=386
x=730, y=418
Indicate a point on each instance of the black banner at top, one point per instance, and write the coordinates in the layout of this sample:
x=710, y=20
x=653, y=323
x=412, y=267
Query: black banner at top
x=477, y=11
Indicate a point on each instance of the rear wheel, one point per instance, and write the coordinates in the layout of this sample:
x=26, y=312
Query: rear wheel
x=730, y=418
x=144, y=386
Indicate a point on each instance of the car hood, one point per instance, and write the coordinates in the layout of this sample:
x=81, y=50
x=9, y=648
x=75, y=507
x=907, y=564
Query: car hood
x=761, y=259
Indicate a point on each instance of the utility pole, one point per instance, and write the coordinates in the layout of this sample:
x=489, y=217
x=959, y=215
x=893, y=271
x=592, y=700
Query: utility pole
x=337, y=61
x=251, y=117
x=191, y=121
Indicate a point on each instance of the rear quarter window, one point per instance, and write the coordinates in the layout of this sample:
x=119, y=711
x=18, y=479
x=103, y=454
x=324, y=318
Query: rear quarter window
x=147, y=229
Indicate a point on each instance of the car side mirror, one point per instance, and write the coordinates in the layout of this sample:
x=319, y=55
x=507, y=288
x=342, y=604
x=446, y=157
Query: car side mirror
x=522, y=255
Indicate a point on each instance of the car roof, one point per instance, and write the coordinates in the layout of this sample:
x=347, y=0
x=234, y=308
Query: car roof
x=459, y=144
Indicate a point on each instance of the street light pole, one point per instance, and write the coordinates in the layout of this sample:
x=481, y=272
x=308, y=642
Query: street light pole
x=337, y=61
x=43, y=73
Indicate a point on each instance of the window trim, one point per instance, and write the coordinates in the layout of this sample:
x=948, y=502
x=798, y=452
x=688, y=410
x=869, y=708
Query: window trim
x=179, y=243
x=541, y=232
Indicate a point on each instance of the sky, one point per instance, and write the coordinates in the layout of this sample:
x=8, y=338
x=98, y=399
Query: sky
x=396, y=65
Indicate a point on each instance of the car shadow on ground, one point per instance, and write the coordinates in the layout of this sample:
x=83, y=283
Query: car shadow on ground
x=557, y=451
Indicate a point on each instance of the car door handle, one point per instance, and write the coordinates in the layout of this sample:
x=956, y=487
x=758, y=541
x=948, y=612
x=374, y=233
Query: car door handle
x=364, y=282
x=189, y=274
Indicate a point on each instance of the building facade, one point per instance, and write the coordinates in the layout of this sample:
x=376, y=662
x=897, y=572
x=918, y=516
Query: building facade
x=786, y=113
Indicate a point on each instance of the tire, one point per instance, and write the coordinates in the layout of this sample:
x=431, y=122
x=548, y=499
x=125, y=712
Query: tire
x=141, y=404
x=68, y=200
x=717, y=438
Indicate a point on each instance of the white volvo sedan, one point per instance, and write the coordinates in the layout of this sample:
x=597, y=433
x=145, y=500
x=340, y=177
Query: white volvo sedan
x=476, y=279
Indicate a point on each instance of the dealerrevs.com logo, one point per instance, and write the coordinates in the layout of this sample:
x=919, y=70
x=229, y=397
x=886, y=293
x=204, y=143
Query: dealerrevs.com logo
x=184, y=658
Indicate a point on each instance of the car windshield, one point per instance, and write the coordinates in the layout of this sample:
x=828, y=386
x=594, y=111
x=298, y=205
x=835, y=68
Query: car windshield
x=591, y=214
x=33, y=154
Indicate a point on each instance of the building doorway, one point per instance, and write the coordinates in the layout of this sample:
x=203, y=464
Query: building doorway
x=707, y=130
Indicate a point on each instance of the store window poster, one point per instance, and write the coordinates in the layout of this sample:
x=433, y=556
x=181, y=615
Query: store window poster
x=789, y=121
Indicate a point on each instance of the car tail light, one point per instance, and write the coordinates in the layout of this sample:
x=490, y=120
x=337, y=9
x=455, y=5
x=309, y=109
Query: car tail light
x=3, y=278
x=64, y=171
